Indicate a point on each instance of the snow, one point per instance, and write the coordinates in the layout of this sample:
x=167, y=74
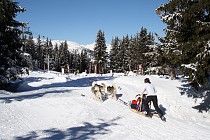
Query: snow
x=72, y=46
x=49, y=105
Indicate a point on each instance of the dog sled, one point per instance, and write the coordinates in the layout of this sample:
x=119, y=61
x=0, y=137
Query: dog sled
x=137, y=106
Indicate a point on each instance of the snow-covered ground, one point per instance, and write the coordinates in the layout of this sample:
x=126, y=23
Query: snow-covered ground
x=55, y=106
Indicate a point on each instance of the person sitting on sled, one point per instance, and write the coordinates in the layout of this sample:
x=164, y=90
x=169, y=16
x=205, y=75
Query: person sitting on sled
x=135, y=104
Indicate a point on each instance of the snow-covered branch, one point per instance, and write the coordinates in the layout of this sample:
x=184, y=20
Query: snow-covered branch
x=203, y=23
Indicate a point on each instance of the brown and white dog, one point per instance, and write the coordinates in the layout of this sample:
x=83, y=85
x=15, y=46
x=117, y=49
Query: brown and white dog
x=103, y=91
x=97, y=91
x=111, y=91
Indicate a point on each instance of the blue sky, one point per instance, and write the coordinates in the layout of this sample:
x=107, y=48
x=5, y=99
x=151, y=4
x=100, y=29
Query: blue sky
x=80, y=20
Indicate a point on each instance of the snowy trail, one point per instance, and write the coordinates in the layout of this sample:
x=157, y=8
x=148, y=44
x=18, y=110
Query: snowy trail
x=64, y=112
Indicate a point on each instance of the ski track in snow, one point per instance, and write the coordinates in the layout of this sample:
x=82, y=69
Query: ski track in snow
x=54, y=106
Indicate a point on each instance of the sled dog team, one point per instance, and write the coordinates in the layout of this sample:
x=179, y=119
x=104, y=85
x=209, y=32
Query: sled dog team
x=142, y=103
x=103, y=91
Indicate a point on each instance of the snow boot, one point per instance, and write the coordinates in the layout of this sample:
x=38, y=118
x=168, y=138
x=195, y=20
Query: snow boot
x=163, y=118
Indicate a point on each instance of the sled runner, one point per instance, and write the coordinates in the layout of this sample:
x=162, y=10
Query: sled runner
x=151, y=114
x=137, y=106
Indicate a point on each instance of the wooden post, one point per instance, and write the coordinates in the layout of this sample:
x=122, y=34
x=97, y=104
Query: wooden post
x=95, y=68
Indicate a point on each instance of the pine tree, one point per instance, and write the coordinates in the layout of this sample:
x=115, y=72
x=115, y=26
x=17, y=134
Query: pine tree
x=121, y=56
x=28, y=50
x=134, y=50
x=71, y=58
x=114, y=56
x=64, y=53
x=100, y=54
x=141, y=48
x=128, y=53
x=150, y=39
x=30, y=45
x=150, y=55
x=76, y=60
x=50, y=52
x=84, y=61
x=55, y=58
x=169, y=55
x=125, y=52
x=39, y=53
x=187, y=34
x=10, y=41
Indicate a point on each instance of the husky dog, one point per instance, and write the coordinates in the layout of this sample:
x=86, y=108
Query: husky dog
x=102, y=92
x=97, y=94
x=111, y=91
x=96, y=90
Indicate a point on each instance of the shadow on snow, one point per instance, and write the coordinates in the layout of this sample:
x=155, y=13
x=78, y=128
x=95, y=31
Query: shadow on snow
x=81, y=82
x=84, y=131
x=29, y=96
x=187, y=89
x=19, y=94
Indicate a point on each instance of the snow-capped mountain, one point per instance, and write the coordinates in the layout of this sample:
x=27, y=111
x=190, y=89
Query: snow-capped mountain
x=75, y=46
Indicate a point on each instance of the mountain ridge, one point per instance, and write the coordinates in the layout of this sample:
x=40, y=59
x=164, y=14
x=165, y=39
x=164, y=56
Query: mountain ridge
x=75, y=46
